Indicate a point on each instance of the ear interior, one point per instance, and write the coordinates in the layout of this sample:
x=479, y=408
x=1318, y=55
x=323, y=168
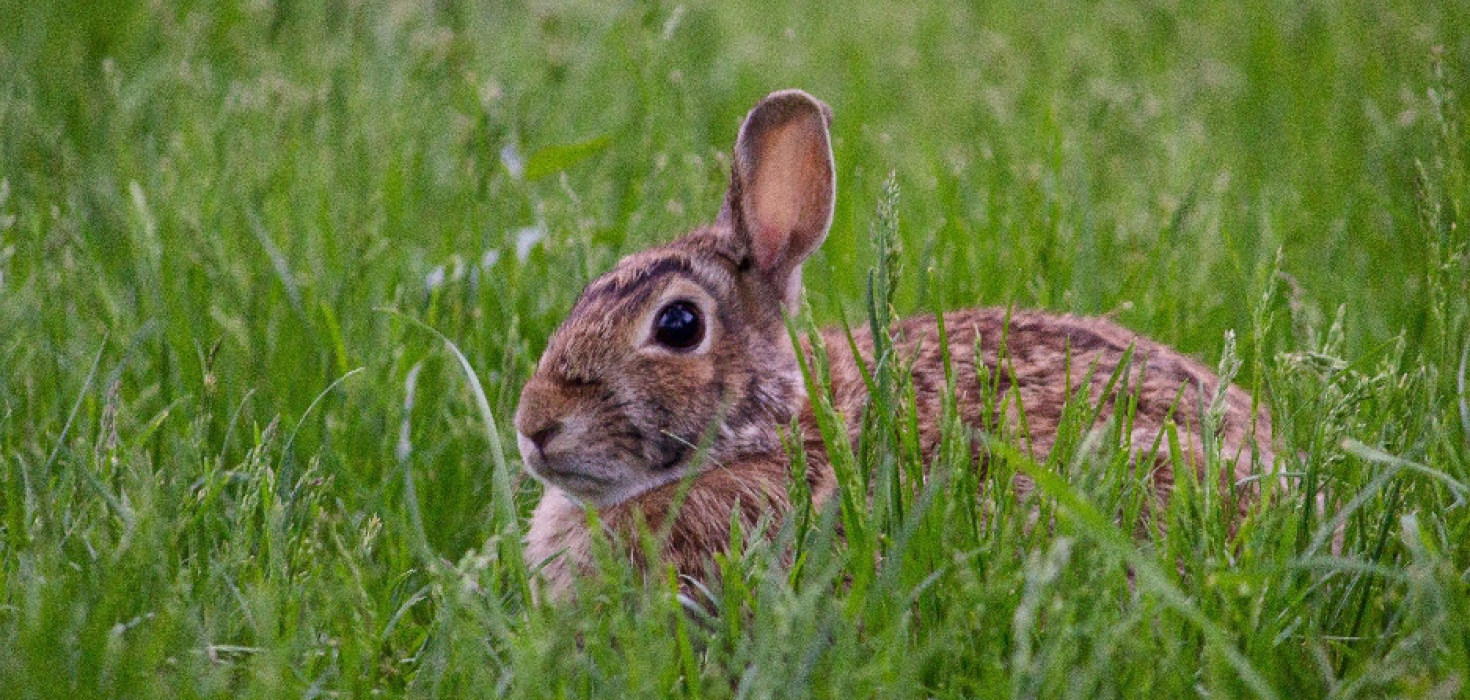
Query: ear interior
x=784, y=184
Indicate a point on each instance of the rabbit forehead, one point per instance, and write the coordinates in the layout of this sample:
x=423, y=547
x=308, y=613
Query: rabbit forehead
x=690, y=257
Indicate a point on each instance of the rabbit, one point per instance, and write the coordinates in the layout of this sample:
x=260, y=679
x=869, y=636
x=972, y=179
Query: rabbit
x=685, y=345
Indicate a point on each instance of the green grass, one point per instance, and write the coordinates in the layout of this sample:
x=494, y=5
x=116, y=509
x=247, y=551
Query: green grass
x=226, y=471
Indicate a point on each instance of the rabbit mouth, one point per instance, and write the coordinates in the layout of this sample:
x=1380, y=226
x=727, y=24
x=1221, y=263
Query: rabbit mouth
x=580, y=480
x=605, y=480
x=563, y=473
x=572, y=476
x=585, y=489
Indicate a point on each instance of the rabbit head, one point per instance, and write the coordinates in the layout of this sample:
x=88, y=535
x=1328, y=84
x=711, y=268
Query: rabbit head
x=684, y=346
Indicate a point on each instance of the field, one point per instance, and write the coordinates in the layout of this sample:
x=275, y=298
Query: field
x=236, y=461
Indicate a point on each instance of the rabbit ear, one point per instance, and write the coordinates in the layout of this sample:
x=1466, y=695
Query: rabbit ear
x=783, y=185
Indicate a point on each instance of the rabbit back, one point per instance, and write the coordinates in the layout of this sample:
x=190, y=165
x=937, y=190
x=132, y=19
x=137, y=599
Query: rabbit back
x=1035, y=362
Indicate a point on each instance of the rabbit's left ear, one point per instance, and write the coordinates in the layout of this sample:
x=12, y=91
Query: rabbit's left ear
x=783, y=186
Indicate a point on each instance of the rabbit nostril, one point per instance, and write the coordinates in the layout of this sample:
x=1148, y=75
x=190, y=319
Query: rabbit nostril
x=544, y=435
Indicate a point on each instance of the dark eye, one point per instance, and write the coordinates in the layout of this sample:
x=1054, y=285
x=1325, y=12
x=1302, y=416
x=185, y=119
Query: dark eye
x=678, y=326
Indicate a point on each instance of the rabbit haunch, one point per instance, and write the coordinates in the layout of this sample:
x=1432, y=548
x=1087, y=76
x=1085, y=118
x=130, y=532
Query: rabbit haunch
x=612, y=415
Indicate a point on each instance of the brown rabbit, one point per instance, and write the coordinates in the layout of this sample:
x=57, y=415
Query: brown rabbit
x=685, y=344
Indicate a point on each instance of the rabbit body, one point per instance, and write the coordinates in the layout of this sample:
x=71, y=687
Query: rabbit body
x=685, y=345
x=1038, y=346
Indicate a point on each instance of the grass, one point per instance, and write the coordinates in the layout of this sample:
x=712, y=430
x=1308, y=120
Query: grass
x=226, y=472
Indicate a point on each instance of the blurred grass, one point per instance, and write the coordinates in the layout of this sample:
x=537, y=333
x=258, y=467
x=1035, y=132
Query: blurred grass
x=202, y=204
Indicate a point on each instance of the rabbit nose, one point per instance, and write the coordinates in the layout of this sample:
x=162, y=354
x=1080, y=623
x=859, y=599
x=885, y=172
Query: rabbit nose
x=544, y=435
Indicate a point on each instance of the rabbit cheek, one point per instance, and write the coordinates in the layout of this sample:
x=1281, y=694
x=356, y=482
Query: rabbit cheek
x=676, y=410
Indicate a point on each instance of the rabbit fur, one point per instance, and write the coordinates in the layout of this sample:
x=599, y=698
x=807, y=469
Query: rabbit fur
x=612, y=414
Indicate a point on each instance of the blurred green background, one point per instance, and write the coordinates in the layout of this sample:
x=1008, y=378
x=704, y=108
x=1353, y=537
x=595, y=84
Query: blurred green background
x=204, y=206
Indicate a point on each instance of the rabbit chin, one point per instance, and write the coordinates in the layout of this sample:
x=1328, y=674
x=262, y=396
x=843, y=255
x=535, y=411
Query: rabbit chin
x=582, y=480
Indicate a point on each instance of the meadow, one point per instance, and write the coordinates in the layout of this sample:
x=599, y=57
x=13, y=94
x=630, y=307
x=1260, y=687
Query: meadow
x=237, y=461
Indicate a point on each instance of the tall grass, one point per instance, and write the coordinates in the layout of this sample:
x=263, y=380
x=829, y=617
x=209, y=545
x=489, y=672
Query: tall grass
x=225, y=471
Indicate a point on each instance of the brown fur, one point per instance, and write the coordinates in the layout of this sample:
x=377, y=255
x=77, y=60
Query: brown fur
x=611, y=419
x=1038, y=345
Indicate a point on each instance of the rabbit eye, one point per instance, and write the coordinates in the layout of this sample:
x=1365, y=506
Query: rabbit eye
x=678, y=326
